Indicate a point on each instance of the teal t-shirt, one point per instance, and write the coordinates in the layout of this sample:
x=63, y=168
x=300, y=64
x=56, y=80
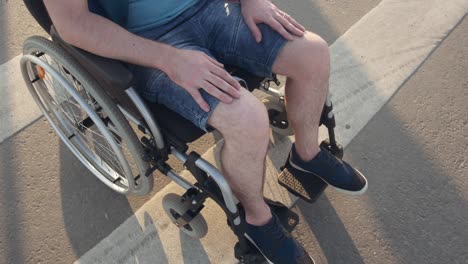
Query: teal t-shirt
x=140, y=15
x=147, y=14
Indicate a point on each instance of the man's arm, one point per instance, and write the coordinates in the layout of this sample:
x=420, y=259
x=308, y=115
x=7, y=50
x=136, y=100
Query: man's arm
x=192, y=70
x=83, y=29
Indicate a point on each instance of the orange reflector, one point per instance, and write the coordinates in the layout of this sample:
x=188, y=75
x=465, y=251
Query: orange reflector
x=40, y=72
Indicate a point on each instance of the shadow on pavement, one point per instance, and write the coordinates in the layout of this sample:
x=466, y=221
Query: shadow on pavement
x=192, y=250
x=332, y=235
x=11, y=216
x=417, y=178
x=91, y=210
x=4, y=30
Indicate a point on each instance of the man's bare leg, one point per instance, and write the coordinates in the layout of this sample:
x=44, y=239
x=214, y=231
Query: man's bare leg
x=306, y=63
x=245, y=128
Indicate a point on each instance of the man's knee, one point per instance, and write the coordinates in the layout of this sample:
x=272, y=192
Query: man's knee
x=314, y=58
x=305, y=57
x=245, y=118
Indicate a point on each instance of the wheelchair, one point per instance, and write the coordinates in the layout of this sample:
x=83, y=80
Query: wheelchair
x=92, y=105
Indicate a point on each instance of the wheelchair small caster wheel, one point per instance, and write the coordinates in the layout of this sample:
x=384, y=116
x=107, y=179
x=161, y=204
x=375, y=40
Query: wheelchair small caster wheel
x=336, y=150
x=277, y=114
x=175, y=209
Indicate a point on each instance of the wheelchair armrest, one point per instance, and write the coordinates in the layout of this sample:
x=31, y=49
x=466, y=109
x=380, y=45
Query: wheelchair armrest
x=109, y=73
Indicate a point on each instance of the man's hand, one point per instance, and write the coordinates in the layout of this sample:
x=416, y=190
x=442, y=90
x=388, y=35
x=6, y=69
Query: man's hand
x=194, y=70
x=263, y=11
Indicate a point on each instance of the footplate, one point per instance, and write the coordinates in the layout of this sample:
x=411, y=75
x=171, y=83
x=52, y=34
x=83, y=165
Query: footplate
x=302, y=184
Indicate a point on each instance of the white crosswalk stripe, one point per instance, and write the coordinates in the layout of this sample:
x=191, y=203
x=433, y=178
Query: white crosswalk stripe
x=18, y=108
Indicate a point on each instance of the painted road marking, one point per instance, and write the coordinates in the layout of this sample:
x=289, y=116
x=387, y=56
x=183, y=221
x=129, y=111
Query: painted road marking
x=18, y=108
x=369, y=63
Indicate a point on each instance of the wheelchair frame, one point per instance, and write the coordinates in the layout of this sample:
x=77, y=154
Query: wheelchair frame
x=210, y=182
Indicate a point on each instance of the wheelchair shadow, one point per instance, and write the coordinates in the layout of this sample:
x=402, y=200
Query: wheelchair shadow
x=331, y=234
x=12, y=233
x=91, y=210
x=152, y=250
x=147, y=250
x=192, y=250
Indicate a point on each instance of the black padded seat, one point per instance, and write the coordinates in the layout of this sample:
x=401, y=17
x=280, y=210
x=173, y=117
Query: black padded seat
x=175, y=128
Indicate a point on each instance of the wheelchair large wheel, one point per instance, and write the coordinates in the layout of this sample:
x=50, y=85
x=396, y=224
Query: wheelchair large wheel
x=85, y=118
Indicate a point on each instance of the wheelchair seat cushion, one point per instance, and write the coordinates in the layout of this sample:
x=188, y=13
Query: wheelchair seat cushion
x=176, y=129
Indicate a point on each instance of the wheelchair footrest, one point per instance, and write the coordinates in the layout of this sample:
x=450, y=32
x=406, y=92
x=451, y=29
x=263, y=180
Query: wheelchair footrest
x=302, y=184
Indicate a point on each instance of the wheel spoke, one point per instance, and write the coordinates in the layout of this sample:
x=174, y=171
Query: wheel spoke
x=88, y=139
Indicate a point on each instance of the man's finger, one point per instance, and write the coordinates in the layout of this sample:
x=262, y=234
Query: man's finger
x=288, y=26
x=200, y=101
x=224, y=86
x=255, y=30
x=294, y=22
x=219, y=64
x=214, y=91
x=224, y=75
x=274, y=24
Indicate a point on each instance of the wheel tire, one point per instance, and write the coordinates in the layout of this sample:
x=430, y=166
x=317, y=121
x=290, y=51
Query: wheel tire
x=174, y=207
x=69, y=68
x=273, y=103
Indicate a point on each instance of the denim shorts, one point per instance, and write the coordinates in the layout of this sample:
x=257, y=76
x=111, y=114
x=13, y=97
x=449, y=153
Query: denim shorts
x=217, y=28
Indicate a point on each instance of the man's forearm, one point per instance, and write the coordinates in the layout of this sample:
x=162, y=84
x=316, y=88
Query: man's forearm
x=105, y=38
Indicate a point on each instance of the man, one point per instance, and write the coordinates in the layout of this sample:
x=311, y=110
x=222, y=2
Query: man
x=178, y=48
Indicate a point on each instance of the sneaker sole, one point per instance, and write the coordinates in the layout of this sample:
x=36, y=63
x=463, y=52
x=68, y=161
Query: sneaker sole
x=360, y=192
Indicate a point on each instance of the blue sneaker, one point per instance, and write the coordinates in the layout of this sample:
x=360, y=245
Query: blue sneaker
x=276, y=244
x=331, y=170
